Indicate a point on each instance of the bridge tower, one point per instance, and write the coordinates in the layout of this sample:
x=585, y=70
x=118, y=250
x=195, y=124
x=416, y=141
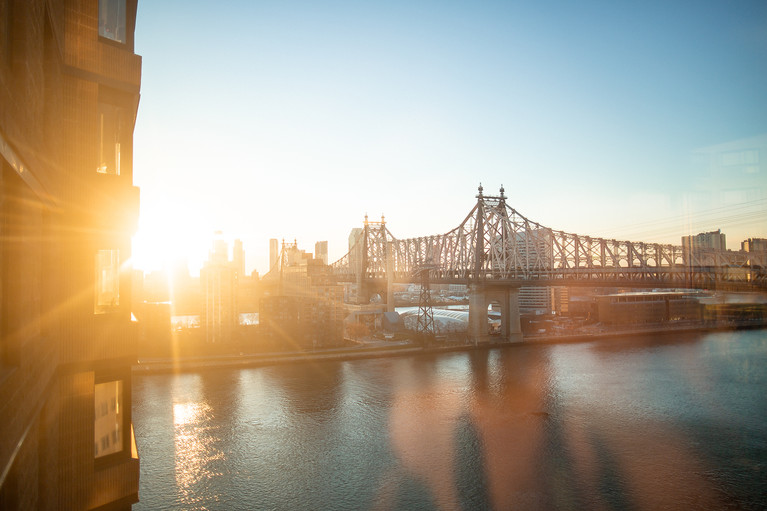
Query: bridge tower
x=371, y=256
x=491, y=235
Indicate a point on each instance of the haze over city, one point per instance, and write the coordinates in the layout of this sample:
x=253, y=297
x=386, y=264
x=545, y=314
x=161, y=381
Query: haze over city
x=274, y=119
x=585, y=329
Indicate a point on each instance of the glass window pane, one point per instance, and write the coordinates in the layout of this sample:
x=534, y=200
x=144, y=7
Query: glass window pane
x=108, y=418
x=112, y=19
x=110, y=122
x=107, y=281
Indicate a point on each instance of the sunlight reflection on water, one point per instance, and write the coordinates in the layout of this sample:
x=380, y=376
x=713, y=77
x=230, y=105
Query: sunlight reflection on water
x=641, y=423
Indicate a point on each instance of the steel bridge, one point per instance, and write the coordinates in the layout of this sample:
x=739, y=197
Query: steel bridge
x=495, y=249
x=495, y=243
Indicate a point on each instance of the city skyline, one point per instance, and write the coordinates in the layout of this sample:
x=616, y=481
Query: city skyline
x=597, y=120
x=506, y=345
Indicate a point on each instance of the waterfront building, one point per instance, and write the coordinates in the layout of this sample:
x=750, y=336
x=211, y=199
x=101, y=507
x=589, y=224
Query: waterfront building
x=560, y=300
x=285, y=322
x=218, y=281
x=69, y=93
x=154, y=319
x=754, y=245
x=647, y=307
x=306, y=309
x=535, y=300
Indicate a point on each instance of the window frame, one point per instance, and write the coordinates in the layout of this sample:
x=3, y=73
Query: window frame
x=119, y=109
x=98, y=270
x=121, y=7
x=115, y=115
x=122, y=376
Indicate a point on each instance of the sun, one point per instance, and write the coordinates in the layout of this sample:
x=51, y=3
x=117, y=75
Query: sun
x=169, y=232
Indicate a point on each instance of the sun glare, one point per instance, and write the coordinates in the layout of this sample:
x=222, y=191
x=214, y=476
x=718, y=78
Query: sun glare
x=170, y=234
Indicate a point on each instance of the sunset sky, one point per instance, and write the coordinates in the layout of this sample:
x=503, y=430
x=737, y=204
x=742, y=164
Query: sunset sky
x=292, y=120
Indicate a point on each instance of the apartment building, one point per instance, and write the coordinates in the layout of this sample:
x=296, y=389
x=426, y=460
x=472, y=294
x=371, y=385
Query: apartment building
x=69, y=93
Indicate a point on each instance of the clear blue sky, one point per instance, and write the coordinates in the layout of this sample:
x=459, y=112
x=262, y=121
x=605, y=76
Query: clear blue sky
x=289, y=119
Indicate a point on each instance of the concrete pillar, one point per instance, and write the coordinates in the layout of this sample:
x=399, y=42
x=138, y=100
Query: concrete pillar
x=478, y=314
x=513, y=330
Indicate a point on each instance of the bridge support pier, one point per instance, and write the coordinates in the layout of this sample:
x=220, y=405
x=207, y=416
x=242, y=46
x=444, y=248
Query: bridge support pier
x=507, y=297
x=478, y=326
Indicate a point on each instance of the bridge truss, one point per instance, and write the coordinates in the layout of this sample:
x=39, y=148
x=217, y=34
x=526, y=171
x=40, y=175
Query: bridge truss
x=495, y=243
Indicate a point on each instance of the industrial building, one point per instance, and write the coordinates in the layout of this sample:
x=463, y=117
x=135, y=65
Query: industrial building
x=648, y=307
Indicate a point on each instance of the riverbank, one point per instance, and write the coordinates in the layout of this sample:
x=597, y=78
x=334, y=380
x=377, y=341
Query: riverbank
x=404, y=348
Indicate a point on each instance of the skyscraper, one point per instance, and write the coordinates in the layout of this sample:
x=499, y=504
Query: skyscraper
x=355, y=247
x=321, y=251
x=754, y=245
x=238, y=258
x=69, y=92
x=219, y=250
x=714, y=240
x=218, y=279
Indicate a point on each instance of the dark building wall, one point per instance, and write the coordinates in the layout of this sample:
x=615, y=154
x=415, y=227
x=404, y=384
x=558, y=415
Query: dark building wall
x=285, y=322
x=646, y=308
x=300, y=322
x=219, y=308
x=59, y=207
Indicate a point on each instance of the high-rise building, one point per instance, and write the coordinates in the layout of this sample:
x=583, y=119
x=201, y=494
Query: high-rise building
x=238, y=259
x=308, y=309
x=274, y=253
x=714, y=240
x=69, y=92
x=219, y=251
x=355, y=248
x=754, y=245
x=535, y=249
x=218, y=280
x=535, y=299
x=321, y=251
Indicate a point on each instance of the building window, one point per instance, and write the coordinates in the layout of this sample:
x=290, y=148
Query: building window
x=108, y=418
x=107, y=281
x=110, y=134
x=112, y=20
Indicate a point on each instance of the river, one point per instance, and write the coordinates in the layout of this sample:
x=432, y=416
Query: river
x=670, y=422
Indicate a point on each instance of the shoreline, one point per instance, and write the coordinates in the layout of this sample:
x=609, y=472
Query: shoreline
x=240, y=361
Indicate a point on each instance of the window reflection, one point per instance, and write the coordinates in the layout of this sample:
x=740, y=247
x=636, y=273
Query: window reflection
x=108, y=418
x=112, y=19
x=107, y=281
x=110, y=123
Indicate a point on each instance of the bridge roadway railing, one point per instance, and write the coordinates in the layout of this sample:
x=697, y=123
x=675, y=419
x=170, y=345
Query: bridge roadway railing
x=495, y=243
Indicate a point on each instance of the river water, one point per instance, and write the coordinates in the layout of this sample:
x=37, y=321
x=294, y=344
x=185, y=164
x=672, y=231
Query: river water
x=671, y=422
